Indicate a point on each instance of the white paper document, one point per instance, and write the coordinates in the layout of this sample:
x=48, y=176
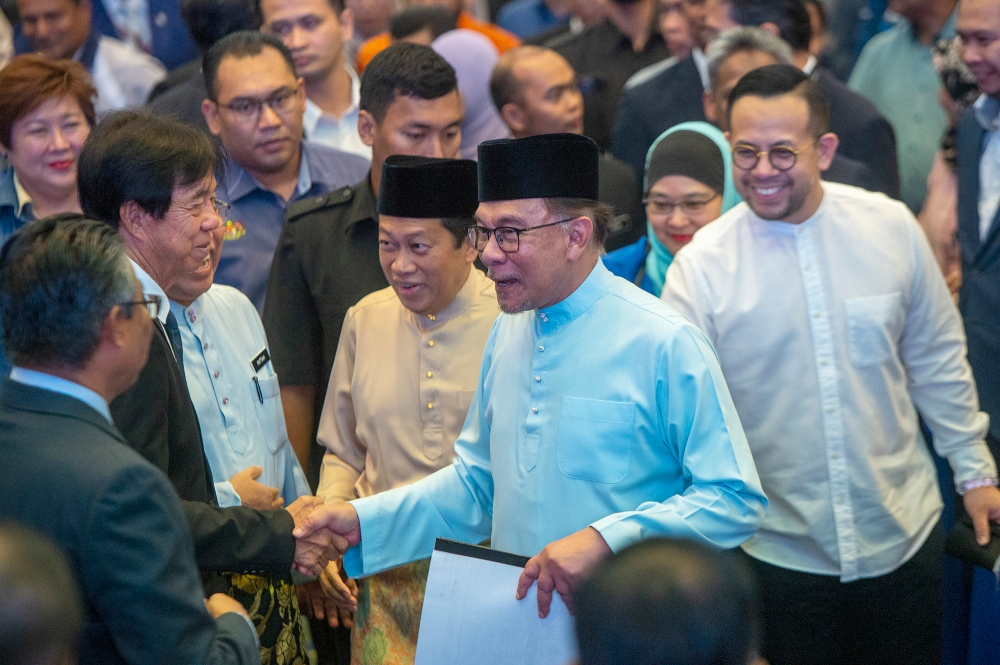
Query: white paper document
x=470, y=614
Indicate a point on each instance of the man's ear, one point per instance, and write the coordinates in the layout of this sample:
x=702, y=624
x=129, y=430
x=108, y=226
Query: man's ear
x=132, y=219
x=770, y=28
x=347, y=27
x=580, y=230
x=708, y=103
x=367, y=127
x=514, y=117
x=827, y=147
x=210, y=110
x=113, y=328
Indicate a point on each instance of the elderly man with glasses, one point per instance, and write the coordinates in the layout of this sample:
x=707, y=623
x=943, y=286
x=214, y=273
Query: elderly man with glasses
x=600, y=415
x=255, y=105
x=834, y=329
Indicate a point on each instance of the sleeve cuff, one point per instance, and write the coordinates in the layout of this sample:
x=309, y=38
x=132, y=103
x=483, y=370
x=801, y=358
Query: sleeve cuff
x=227, y=495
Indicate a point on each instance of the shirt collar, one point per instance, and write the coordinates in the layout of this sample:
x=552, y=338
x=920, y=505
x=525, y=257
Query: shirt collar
x=701, y=64
x=458, y=306
x=784, y=228
x=987, y=112
x=313, y=112
x=192, y=313
x=150, y=289
x=56, y=384
x=239, y=182
x=363, y=207
x=810, y=65
x=580, y=300
x=24, y=202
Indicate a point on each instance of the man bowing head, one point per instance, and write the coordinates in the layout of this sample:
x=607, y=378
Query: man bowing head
x=600, y=416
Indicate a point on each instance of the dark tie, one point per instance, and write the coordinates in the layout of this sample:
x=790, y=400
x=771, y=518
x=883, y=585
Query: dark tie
x=174, y=333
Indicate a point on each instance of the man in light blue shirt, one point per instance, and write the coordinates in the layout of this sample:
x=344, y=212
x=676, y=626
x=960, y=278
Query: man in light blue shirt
x=256, y=106
x=601, y=416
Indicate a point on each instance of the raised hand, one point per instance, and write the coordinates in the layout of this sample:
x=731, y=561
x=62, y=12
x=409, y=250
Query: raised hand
x=561, y=566
x=254, y=494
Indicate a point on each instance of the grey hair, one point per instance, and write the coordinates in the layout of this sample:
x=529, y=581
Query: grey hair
x=59, y=278
x=746, y=38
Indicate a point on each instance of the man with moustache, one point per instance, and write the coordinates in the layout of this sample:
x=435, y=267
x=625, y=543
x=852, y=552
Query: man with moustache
x=255, y=106
x=834, y=328
x=600, y=416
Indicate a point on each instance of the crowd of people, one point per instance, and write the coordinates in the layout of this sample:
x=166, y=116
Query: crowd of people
x=690, y=302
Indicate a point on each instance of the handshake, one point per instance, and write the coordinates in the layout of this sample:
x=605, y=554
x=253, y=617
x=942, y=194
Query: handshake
x=322, y=534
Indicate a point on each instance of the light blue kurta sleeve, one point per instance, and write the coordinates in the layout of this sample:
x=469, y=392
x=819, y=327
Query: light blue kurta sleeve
x=456, y=502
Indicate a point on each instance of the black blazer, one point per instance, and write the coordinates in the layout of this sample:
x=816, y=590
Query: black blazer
x=979, y=296
x=865, y=136
x=67, y=473
x=158, y=420
x=651, y=108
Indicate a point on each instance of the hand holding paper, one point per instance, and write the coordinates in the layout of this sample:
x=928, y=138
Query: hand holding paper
x=561, y=566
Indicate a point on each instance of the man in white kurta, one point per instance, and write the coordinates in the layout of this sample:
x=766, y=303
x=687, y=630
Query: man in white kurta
x=600, y=417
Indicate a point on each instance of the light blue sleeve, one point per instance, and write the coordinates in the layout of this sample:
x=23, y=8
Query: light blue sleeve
x=456, y=502
x=723, y=503
x=227, y=495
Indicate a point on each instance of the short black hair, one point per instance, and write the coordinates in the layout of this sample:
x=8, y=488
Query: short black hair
x=208, y=21
x=667, y=601
x=505, y=87
x=777, y=80
x=59, y=278
x=41, y=614
x=791, y=17
x=242, y=44
x=135, y=156
x=414, y=19
x=404, y=70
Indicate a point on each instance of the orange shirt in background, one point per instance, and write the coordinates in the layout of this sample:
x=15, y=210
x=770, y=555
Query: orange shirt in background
x=502, y=39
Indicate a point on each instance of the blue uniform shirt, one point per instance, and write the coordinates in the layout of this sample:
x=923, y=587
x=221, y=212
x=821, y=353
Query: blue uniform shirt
x=256, y=216
x=607, y=409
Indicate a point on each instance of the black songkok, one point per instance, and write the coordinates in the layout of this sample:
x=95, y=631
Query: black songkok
x=427, y=188
x=547, y=166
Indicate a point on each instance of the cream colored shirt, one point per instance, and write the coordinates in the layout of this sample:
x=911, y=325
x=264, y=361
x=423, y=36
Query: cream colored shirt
x=400, y=389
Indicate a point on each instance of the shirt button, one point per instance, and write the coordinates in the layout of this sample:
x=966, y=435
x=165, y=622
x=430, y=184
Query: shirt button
x=534, y=409
x=430, y=405
x=541, y=348
x=430, y=374
x=205, y=346
x=809, y=266
x=538, y=378
x=840, y=500
x=824, y=362
x=816, y=313
x=217, y=373
x=545, y=319
x=225, y=400
x=431, y=317
x=430, y=343
x=829, y=409
x=834, y=455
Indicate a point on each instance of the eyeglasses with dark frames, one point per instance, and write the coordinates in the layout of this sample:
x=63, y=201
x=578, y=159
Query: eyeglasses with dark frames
x=666, y=208
x=508, y=238
x=745, y=157
x=248, y=109
x=152, y=305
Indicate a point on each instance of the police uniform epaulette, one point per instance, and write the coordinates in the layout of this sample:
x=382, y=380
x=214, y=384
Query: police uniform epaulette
x=314, y=203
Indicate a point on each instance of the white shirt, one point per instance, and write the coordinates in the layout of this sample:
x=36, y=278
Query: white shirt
x=832, y=334
x=326, y=129
x=123, y=75
x=987, y=111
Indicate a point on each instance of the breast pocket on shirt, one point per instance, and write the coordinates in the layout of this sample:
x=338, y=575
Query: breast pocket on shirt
x=268, y=403
x=595, y=439
x=874, y=324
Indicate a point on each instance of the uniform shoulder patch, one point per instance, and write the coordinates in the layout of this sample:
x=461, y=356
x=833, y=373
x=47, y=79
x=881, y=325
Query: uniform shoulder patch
x=314, y=203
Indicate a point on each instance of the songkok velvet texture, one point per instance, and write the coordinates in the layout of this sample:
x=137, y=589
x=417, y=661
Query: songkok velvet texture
x=546, y=166
x=427, y=188
x=686, y=153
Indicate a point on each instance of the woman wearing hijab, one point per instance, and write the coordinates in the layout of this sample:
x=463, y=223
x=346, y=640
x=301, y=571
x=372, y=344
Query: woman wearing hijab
x=473, y=57
x=689, y=183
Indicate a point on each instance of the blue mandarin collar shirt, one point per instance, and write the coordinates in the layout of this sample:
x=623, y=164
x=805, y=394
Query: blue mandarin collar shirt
x=607, y=409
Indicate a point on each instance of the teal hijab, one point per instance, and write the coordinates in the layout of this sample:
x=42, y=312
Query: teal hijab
x=659, y=257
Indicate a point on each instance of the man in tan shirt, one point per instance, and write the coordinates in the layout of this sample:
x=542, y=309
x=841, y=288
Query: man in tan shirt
x=406, y=369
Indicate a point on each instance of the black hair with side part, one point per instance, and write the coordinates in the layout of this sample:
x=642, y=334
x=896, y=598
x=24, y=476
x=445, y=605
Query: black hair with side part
x=404, y=70
x=208, y=21
x=790, y=16
x=412, y=20
x=242, y=44
x=136, y=156
x=777, y=80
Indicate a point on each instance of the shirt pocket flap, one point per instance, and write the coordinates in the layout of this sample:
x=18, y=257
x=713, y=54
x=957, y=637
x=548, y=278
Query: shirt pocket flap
x=595, y=439
x=873, y=327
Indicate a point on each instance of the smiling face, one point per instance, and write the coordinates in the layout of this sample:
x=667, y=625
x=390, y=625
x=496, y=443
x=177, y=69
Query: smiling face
x=264, y=142
x=978, y=27
x=45, y=147
x=312, y=31
x=56, y=28
x=422, y=262
x=180, y=245
x=764, y=123
x=192, y=284
x=675, y=229
x=550, y=100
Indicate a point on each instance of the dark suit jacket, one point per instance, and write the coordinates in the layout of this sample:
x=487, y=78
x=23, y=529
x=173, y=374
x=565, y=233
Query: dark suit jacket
x=618, y=188
x=158, y=420
x=850, y=172
x=979, y=296
x=865, y=136
x=183, y=101
x=67, y=473
x=649, y=109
